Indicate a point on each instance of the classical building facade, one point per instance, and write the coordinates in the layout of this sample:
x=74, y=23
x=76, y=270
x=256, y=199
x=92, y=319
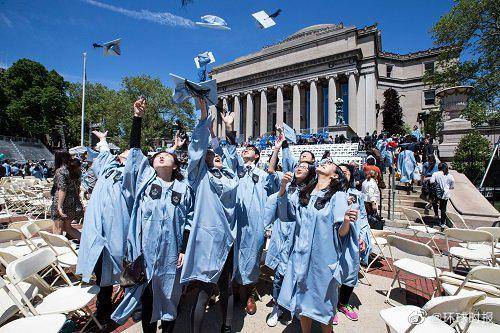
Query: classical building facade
x=298, y=80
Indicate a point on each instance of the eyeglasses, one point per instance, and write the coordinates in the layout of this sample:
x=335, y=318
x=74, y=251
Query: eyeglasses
x=327, y=160
x=302, y=167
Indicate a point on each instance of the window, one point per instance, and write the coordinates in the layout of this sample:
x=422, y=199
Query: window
x=389, y=70
x=429, y=97
x=429, y=67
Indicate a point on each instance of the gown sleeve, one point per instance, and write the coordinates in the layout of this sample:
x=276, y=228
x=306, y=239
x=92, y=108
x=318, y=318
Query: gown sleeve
x=197, y=151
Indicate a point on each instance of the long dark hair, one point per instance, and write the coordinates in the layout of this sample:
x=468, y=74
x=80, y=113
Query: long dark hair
x=61, y=157
x=75, y=168
x=443, y=167
x=311, y=174
x=335, y=185
x=348, y=183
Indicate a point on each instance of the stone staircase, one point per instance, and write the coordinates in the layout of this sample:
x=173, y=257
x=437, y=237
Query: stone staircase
x=403, y=199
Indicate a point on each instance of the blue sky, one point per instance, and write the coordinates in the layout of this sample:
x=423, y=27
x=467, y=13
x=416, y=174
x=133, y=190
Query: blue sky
x=158, y=37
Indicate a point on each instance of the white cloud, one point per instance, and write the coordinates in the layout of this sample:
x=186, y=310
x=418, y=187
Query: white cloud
x=143, y=14
x=5, y=21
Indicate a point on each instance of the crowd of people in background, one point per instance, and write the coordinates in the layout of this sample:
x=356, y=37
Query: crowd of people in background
x=37, y=169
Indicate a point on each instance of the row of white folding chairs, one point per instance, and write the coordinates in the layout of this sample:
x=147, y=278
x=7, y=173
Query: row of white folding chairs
x=66, y=300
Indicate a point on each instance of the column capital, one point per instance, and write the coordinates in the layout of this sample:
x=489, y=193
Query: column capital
x=314, y=79
x=225, y=97
x=248, y=92
x=235, y=95
x=352, y=72
x=332, y=76
x=263, y=89
x=278, y=86
x=295, y=83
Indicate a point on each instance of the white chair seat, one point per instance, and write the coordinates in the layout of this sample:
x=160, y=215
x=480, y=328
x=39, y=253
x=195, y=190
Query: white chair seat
x=398, y=319
x=417, y=268
x=67, y=299
x=423, y=228
x=479, y=326
x=7, y=306
x=381, y=241
x=67, y=259
x=17, y=251
x=480, y=247
x=41, y=324
x=462, y=252
x=451, y=289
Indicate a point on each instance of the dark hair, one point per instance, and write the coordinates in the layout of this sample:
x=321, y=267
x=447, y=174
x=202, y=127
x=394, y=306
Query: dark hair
x=311, y=174
x=61, y=157
x=176, y=173
x=349, y=183
x=256, y=151
x=325, y=154
x=432, y=160
x=74, y=168
x=371, y=161
x=334, y=186
x=308, y=151
x=443, y=167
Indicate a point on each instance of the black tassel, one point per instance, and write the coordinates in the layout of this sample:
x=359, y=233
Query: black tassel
x=95, y=45
x=275, y=14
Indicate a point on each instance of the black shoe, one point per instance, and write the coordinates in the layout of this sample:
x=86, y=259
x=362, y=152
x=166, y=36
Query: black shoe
x=441, y=226
x=225, y=329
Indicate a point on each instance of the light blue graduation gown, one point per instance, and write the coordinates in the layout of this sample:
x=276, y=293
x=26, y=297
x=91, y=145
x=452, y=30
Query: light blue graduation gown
x=254, y=188
x=360, y=229
x=313, y=274
x=288, y=162
x=160, y=214
x=406, y=165
x=417, y=134
x=213, y=228
x=106, y=222
x=282, y=236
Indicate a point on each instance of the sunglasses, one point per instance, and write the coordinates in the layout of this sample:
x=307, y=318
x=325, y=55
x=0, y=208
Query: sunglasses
x=327, y=160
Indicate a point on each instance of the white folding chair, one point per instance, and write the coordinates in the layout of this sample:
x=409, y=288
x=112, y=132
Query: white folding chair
x=486, y=317
x=456, y=220
x=30, y=232
x=10, y=303
x=431, y=317
x=45, y=224
x=12, y=241
x=64, y=250
x=67, y=300
x=417, y=225
x=379, y=239
x=412, y=266
x=465, y=255
x=46, y=323
x=481, y=278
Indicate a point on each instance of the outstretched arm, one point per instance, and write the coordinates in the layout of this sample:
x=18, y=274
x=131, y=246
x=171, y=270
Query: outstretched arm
x=198, y=148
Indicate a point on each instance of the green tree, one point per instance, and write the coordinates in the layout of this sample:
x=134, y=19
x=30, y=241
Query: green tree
x=471, y=156
x=392, y=113
x=32, y=98
x=471, y=30
x=115, y=108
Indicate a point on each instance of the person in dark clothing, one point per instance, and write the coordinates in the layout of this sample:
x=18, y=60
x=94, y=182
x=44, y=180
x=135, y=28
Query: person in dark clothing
x=427, y=150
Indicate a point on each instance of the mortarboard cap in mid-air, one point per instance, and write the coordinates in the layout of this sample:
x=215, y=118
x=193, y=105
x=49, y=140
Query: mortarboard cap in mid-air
x=289, y=133
x=203, y=59
x=110, y=48
x=264, y=20
x=214, y=22
x=185, y=89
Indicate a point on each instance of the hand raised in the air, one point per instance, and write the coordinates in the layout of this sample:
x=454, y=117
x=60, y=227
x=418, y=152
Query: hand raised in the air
x=139, y=107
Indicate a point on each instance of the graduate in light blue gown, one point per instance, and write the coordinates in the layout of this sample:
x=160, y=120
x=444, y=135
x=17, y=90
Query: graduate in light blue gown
x=358, y=247
x=105, y=226
x=158, y=231
x=386, y=153
x=283, y=233
x=313, y=274
x=255, y=186
x=406, y=166
x=208, y=262
x=416, y=133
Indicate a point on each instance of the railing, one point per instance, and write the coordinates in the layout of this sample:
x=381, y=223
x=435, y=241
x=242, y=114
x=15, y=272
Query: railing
x=392, y=196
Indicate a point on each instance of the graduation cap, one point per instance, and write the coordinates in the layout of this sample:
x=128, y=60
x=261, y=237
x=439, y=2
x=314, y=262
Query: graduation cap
x=110, y=48
x=264, y=20
x=203, y=59
x=214, y=22
x=185, y=89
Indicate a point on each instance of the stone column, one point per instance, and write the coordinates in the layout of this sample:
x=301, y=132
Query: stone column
x=249, y=118
x=279, y=104
x=263, y=111
x=313, y=104
x=213, y=111
x=361, y=106
x=224, y=108
x=296, y=106
x=371, y=92
x=237, y=114
x=353, y=119
x=332, y=97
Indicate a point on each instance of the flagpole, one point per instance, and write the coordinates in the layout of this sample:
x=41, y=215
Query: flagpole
x=84, y=79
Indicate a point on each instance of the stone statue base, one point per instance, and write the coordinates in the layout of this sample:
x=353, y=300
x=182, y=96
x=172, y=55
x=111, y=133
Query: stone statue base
x=341, y=129
x=453, y=131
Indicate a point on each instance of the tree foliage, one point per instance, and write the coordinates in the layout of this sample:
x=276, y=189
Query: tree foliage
x=472, y=155
x=32, y=99
x=115, y=108
x=471, y=30
x=392, y=113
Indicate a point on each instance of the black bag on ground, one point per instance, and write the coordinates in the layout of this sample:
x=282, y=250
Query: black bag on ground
x=133, y=273
x=375, y=221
